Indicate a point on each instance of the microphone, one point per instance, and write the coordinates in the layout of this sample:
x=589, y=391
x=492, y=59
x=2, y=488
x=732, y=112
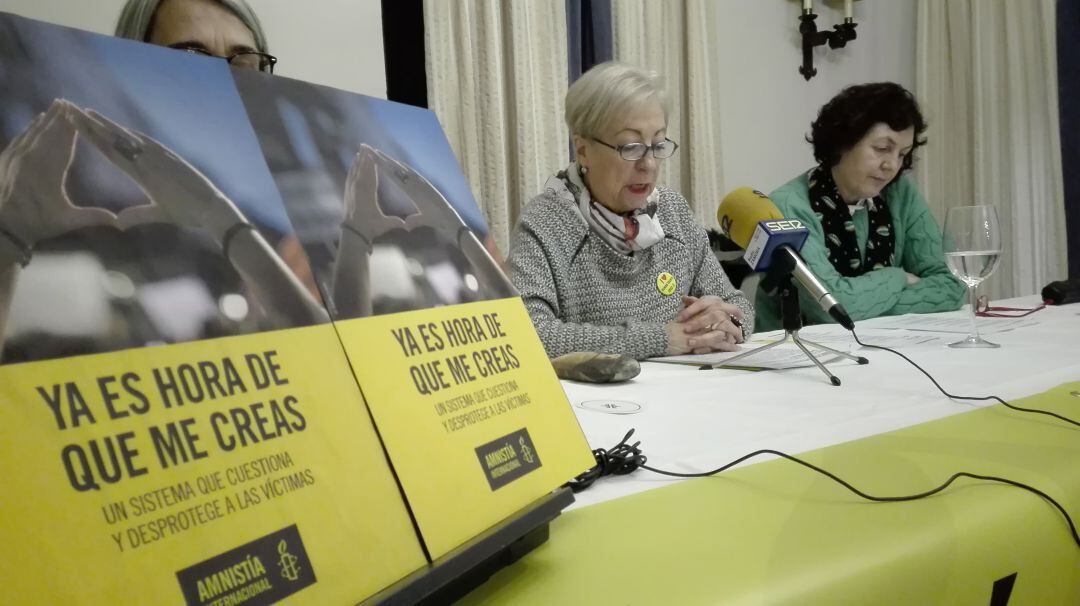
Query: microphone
x=753, y=222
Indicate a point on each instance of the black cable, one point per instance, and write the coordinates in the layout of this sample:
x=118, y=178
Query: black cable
x=870, y=497
x=978, y=398
x=625, y=458
x=620, y=460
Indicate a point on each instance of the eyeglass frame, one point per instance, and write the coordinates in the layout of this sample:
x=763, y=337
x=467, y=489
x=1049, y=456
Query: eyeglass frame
x=270, y=60
x=985, y=310
x=648, y=148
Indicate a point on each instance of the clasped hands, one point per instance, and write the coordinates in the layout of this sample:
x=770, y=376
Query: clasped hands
x=706, y=324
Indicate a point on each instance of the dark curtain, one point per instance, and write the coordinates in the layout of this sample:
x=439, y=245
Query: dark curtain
x=588, y=38
x=588, y=33
x=403, y=51
x=1068, y=49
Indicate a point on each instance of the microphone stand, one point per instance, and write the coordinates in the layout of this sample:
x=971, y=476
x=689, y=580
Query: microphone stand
x=791, y=317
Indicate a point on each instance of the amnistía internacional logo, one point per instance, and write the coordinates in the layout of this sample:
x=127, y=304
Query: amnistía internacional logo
x=508, y=458
x=263, y=571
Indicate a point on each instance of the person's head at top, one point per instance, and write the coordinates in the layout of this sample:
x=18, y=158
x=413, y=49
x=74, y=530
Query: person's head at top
x=617, y=115
x=227, y=29
x=866, y=136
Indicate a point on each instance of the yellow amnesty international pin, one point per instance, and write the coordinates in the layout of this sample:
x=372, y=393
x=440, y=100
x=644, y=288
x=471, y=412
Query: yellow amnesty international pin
x=666, y=284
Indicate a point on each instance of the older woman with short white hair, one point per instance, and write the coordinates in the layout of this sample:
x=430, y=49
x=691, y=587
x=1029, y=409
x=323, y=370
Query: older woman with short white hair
x=607, y=260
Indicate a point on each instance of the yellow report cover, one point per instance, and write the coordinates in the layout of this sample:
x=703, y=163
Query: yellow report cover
x=474, y=420
x=235, y=470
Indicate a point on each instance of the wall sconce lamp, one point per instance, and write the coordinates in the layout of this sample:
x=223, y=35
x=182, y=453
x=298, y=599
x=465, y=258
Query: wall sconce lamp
x=840, y=35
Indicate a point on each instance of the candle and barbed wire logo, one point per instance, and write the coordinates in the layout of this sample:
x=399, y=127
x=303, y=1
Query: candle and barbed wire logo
x=290, y=568
x=508, y=458
x=257, y=573
x=526, y=452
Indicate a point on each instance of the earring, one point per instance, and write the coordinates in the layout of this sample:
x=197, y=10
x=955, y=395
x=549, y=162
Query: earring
x=584, y=170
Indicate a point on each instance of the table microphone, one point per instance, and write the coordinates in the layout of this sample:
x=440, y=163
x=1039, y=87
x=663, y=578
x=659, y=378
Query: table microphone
x=753, y=222
x=1062, y=292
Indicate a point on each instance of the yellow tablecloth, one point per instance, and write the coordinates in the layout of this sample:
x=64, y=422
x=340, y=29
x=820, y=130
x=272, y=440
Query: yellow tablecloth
x=776, y=533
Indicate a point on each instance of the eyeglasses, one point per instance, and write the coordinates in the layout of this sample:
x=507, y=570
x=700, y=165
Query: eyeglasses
x=247, y=59
x=984, y=309
x=636, y=151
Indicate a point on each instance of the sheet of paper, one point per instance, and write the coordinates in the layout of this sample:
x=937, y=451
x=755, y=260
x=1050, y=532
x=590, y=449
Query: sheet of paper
x=951, y=324
x=837, y=337
x=776, y=358
x=904, y=339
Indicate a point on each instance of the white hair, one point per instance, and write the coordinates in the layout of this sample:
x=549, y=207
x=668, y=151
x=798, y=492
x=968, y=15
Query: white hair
x=605, y=93
x=137, y=20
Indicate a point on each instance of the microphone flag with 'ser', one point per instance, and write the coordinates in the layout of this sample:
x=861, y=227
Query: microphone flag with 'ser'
x=740, y=212
x=753, y=222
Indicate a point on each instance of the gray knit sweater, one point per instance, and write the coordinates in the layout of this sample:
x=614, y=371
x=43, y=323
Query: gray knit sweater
x=583, y=295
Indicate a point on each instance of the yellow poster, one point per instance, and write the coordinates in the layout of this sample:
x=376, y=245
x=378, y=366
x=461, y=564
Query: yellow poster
x=474, y=420
x=241, y=470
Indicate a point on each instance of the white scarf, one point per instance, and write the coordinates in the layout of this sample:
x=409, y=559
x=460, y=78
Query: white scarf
x=614, y=228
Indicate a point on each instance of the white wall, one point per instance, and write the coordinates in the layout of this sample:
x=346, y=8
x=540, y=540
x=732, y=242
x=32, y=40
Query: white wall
x=768, y=106
x=333, y=42
x=338, y=43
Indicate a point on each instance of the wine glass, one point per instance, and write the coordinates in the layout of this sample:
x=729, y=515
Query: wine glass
x=972, y=245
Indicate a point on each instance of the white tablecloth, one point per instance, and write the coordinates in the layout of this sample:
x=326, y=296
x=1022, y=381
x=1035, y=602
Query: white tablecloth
x=694, y=420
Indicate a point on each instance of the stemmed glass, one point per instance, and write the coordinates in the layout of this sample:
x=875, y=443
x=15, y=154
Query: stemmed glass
x=972, y=245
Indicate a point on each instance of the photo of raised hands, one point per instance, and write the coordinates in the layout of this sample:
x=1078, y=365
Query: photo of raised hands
x=181, y=196
x=377, y=197
x=377, y=179
x=392, y=218
x=35, y=206
x=149, y=198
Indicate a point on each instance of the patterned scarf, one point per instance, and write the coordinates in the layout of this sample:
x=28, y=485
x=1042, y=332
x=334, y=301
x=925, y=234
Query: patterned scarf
x=839, y=228
x=625, y=232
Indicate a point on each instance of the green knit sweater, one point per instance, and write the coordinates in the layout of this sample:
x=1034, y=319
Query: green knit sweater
x=881, y=292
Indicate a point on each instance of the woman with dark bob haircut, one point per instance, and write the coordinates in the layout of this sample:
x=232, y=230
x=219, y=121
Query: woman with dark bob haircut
x=873, y=242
